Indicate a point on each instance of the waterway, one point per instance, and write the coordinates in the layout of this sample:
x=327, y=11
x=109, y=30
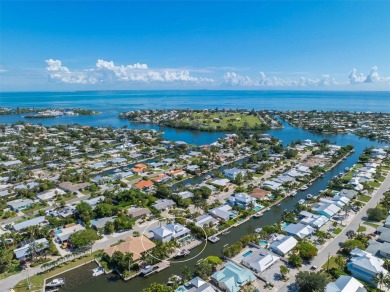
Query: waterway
x=81, y=280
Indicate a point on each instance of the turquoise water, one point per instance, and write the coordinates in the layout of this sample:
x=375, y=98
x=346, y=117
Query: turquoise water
x=285, y=224
x=263, y=242
x=233, y=214
x=247, y=253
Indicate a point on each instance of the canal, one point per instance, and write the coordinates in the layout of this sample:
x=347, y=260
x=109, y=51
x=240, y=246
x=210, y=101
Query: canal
x=81, y=280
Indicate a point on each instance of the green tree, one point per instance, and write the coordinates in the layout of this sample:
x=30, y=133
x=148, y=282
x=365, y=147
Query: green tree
x=295, y=260
x=340, y=261
x=311, y=281
x=84, y=212
x=352, y=244
x=307, y=250
x=156, y=287
x=109, y=227
x=83, y=238
x=284, y=271
x=381, y=279
x=376, y=214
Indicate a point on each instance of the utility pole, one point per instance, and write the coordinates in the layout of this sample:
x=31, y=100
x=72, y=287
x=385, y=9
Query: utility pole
x=327, y=266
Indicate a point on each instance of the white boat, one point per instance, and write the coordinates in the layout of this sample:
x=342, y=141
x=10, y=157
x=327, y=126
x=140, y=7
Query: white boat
x=301, y=201
x=292, y=194
x=347, y=168
x=214, y=239
x=174, y=279
x=58, y=282
x=268, y=209
x=258, y=215
x=182, y=253
x=309, y=196
x=304, y=188
x=207, y=177
x=258, y=230
x=148, y=269
x=98, y=271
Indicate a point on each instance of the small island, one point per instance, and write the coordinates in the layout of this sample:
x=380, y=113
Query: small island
x=205, y=120
x=39, y=113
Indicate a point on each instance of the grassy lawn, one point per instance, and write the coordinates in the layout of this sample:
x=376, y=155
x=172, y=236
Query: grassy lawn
x=332, y=264
x=6, y=275
x=362, y=229
x=337, y=230
x=222, y=121
x=363, y=198
x=374, y=184
x=375, y=225
x=37, y=280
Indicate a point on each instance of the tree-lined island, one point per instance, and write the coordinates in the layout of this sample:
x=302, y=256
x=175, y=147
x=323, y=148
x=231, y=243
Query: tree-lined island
x=38, y=113
x=205, y=120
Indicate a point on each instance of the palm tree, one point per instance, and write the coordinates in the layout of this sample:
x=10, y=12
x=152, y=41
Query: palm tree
x=380, y=279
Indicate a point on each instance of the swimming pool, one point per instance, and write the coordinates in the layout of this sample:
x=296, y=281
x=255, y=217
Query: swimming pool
x=285, y=224
x=257, y=208
x=247, y=253
x=263, y=242
x=233, y=214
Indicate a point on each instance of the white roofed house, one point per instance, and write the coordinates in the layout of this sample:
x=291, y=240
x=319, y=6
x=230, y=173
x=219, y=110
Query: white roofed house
x=50, y=194
x=206, y=220
x=223, y=212
x=326, y=209
x=242, y=200
x=364, y=266
x=259, y=260
x=170, y=232
x=63, y=234
x=345, y=284
x=283, y=245
x=271, y=184
x=25, y=250
x=299, y=230
x=19, y=204
x=233, y=172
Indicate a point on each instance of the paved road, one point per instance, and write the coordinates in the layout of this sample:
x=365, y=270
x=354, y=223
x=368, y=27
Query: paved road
x=332, y=247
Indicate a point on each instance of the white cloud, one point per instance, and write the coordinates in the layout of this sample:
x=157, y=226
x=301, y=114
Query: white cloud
x=372, y=77
x=107, y=71
x=234, y=79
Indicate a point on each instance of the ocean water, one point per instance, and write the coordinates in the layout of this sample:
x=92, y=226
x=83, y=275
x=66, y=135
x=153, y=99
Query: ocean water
x=112, y=103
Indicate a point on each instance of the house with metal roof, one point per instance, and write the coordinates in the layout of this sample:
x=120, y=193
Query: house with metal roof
x=364, y=266
x=38, y=245
x=379, y=249
x=232, y=277
x=19, y=204
x=32, y=222
x=299, y=230
x=170, y=231
x=163, y=204
x=345, y=284
x=259, y=260
x=283, y=245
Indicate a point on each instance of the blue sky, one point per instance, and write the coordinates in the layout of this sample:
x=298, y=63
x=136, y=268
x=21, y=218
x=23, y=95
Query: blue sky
x=52, y=45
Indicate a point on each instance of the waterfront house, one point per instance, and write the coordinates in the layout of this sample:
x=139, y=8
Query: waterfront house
x=259, y=260
x=170, y=231
x=260, y=194
x=136, y=212
x=345, y=284
x=232, y=277
x=63, y=234
x=314, y=220
x=163, y=204
x=19, y=204
x=326, y=209
x=299, y=230
x=37, y=221
x=137, y=246
x=161, y=178
x=197, y=284
x=364, y=266
x=206, y=220
x=24, y=251
x=233, y=172
x=223, y=212
x=271, y=185
x=283, y=245
x=384, y=234
x=241, y=200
